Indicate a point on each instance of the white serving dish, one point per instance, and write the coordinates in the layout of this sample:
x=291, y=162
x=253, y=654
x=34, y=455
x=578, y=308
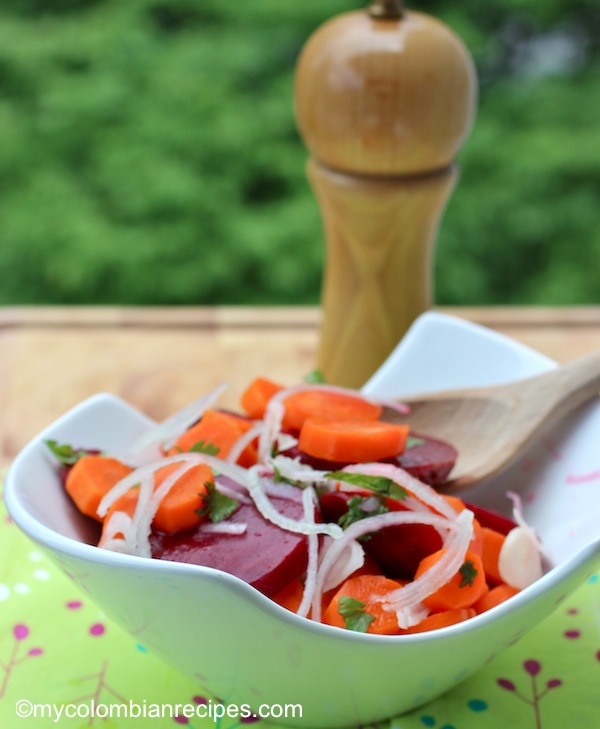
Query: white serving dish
x=248, y=650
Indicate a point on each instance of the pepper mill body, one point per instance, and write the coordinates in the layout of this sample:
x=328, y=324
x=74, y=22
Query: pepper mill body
x=383, y=104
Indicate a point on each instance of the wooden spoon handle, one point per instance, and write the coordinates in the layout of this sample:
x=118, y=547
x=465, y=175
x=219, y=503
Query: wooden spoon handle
x=571, y=385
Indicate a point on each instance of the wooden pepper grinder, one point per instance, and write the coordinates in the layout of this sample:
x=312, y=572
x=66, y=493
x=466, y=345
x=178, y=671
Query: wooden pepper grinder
x=384, y=100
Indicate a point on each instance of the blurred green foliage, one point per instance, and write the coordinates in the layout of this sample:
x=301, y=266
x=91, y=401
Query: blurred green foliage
x=149, y=154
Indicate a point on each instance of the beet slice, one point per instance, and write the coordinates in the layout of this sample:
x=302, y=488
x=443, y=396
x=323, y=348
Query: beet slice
x=430, y=461
x=400, y=549
x=491, y=519
x=265, y=556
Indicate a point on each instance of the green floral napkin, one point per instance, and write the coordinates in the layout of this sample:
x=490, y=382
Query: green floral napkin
x=57, y=650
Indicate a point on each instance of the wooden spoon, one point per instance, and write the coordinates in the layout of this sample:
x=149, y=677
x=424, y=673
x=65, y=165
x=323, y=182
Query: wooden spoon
x=491, y=426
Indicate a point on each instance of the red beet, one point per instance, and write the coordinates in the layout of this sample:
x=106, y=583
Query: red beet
x=491, y=519
x=399, y=549
x=265, y=556
x=430, y=462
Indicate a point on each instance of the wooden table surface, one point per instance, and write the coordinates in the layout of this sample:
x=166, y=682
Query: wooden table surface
x=158, y=359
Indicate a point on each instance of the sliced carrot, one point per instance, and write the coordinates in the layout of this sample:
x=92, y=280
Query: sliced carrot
x=370, y=567
x=495, y=596
x=492, y=544
x=457, y=504
x=221, y=430
x=365, y=589
x=125, y=503
x=442, y=620
x=178, y=510
x=466, y=587
x=256, y=397
x=476, y=544
x=352, y=441
x=327, y=406
x=291, y=595
x=90, y=479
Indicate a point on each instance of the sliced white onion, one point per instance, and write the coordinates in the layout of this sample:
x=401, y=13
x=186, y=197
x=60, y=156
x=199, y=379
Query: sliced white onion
x=294, y=470
x=309, y=503
x=519, y=518
x=118, y=523
x=351, y=558
x=235, y=494
x=407, y=617
x=224, y=527
x=282, y=490
x=142, y=518
x=460, y=533
x=243, y=442
x=262, y=502
x=168, y=431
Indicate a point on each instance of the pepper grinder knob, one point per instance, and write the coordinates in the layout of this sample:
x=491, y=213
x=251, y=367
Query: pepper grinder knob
x=384, y=98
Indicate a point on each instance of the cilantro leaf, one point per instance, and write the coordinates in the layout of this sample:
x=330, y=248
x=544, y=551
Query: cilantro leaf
x=468, y=573
x=354, y=614
x=356, y=512
x=316, y=377
x=65, y=454
x=380, y=484
x=412, y=442
x=210, y=449
x=217, y=506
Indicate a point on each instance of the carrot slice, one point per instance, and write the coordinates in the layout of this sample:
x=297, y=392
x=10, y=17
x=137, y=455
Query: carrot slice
x=126, y=503
x=352, y=441
x=327, y=406
x=90, y=478
x=178, y=510
x=442, y=620
x=364, y=590
x=256, y=397
x=221, y=430
x=495, y=596
x=466, y=587
x=492, y=544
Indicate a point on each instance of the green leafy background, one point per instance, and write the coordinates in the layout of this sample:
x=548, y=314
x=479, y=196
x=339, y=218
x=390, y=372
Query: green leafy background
x=149, y=154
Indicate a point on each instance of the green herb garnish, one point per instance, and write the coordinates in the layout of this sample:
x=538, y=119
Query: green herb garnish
x=210, y=449
x=354, y=613
x=380, y=484
x=356, y=512
x=468, y=573
x=65, y=454
x=217, y=506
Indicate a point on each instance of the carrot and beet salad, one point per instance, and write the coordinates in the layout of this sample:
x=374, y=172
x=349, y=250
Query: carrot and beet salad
x=310, y=496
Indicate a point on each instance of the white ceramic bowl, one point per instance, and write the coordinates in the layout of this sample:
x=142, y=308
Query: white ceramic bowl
x=245, y=648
